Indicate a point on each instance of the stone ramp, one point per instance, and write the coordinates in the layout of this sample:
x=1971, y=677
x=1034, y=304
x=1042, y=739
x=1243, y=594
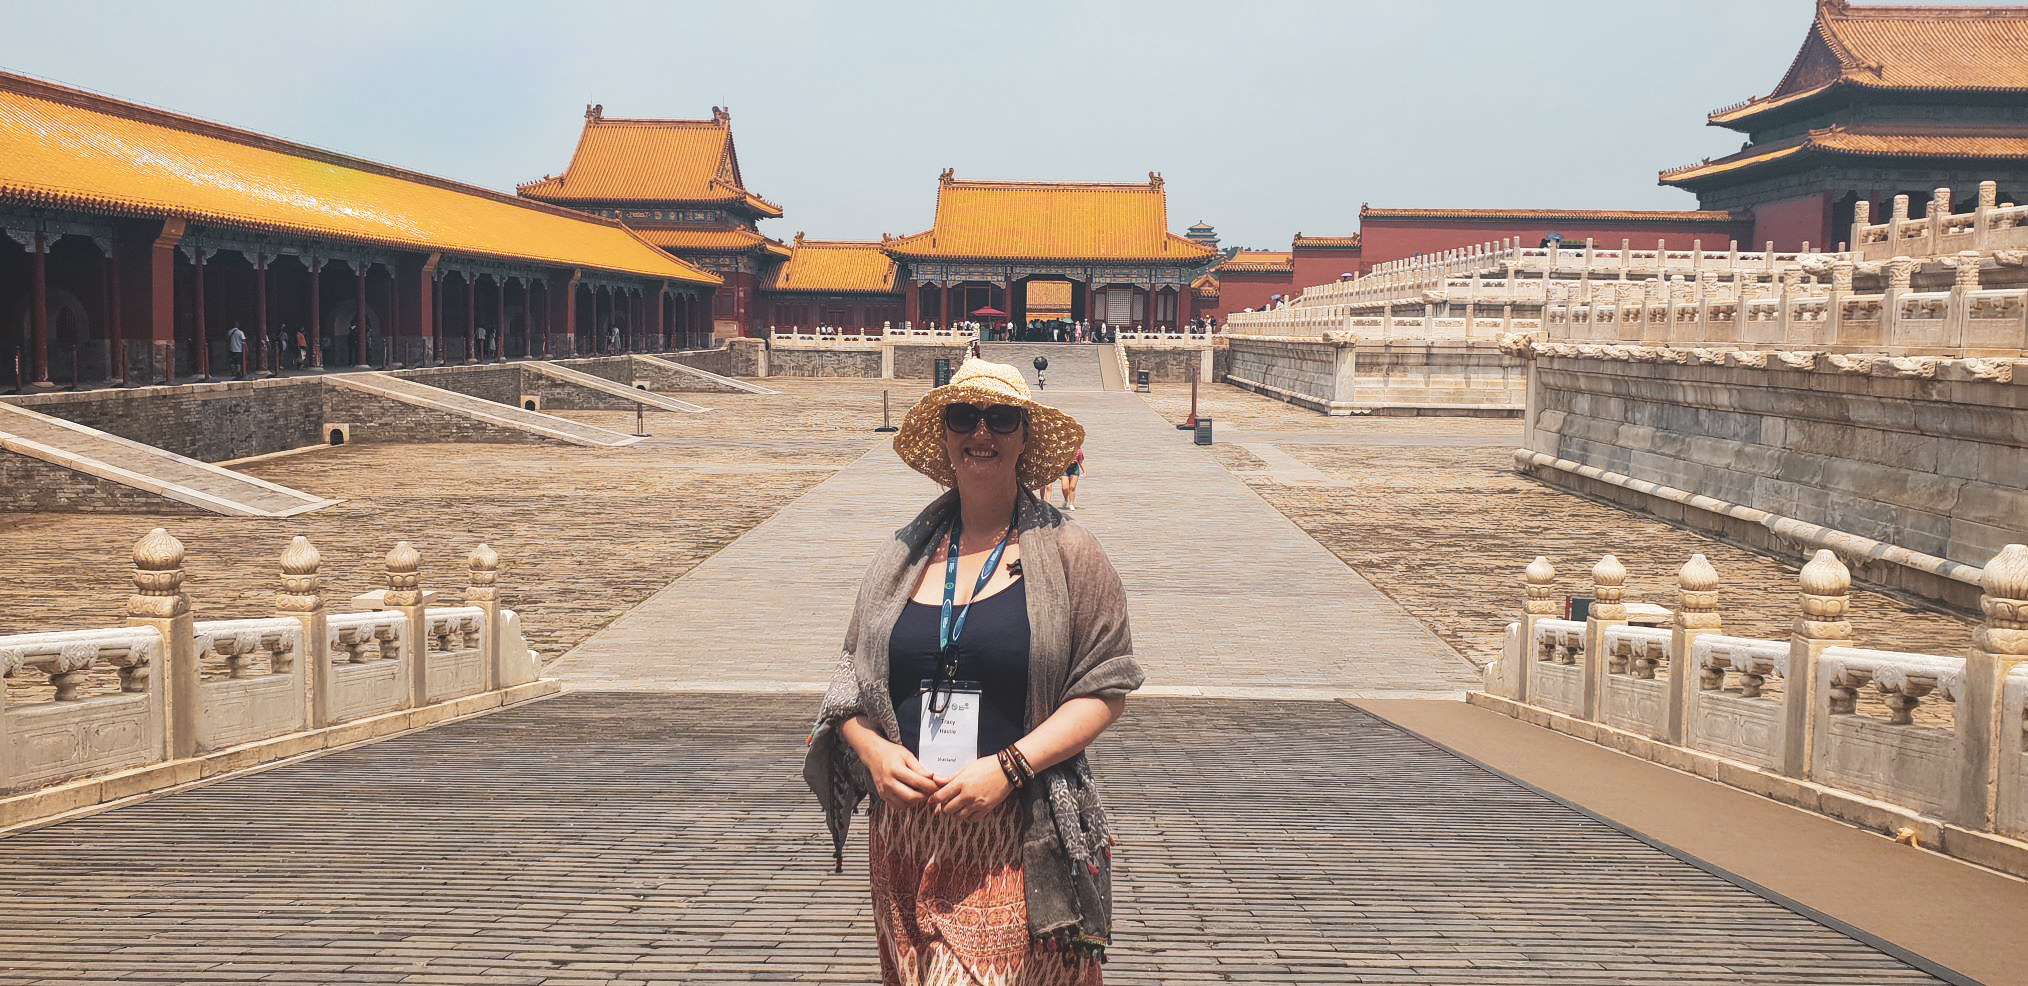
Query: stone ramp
x=128, y=463
x=600, y=838
x=533, y=424
x=1072, y=365
x=733, y=382
x=1111, y=377
x=646, y=398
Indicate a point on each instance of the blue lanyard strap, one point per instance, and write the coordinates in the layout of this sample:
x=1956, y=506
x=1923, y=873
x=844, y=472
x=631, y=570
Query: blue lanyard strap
x=947, y=631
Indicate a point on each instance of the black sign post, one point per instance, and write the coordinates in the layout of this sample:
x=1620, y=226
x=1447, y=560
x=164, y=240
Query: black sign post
x=1141, y=381
x=942, y=371
x=1203, y=436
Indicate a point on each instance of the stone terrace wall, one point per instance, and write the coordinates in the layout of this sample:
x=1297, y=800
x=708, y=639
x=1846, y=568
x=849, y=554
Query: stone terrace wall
x=1457, y=377
x=378, y=419
x=920, y=362
x=1303, y=372
x=824, y=363
x=30, y=484
x=1163, y=364
x=210, y=422
x=1933, y=465
x=500, y=383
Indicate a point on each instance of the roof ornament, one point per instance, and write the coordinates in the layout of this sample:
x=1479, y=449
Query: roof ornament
x=595, y=111
x=949, y=175
x=721, y=115
x=799, y=237
x=1154, y=179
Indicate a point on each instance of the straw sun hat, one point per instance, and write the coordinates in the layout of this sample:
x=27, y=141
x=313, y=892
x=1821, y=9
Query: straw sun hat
x=1053, y=436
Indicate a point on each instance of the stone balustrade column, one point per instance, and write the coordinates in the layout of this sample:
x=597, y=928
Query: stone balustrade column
x=1540, y=581
x=159, y=603
x=1958, y=311
x=1696, y=615
x=1609, y=581
x=301, y=599
x=404, y=575
x=484, y=592
x=1826, y=587
x=1862, y=217
x=1999, y=646
x=1989, y=196
x=1900, y=275
x=1834, y=310
x=1939, y=209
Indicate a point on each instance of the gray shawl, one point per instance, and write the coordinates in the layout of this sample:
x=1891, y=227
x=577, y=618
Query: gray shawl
x=1079, y=644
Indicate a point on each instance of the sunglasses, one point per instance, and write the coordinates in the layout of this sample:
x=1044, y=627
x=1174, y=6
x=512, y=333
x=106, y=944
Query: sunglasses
x=1003, y=419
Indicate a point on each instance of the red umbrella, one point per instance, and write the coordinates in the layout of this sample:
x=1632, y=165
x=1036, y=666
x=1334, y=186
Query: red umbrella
x=990, y=312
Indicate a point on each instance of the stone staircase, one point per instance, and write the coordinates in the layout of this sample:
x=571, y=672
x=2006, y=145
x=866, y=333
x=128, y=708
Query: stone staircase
x=144, y=467
x=1072, y=365
x=579, y=378
x=736, y=384
x=498, y=415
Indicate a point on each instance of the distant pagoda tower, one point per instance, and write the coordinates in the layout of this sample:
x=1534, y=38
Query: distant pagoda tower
x=1203, y=233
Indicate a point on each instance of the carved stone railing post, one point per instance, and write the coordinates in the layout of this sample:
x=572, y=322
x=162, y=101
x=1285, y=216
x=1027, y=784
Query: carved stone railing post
x=1989, y=196
x=159, y=602
x=302, y=600
x=1958, y=313
x=1900, y=276
x=2000, y=646
x=1696, y=615
x=1609, y=580
x=485, y=594
x=1862, y=217
x=1826, y=596
x=404, y=575
x=1540, y=579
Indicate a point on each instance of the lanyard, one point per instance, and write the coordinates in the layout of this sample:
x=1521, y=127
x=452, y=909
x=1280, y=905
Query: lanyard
x=947, y=631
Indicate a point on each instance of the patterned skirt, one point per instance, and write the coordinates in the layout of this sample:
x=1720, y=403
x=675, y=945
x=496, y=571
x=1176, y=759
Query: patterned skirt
x=950, y=905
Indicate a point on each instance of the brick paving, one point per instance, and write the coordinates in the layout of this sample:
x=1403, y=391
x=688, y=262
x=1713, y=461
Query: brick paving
x=638, y=838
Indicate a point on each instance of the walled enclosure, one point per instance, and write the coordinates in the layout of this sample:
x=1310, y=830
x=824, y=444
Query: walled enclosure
x=1924, y=465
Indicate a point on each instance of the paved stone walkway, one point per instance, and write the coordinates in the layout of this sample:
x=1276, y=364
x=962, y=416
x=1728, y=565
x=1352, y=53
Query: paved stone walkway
x=1227, y=596
x=644, y=838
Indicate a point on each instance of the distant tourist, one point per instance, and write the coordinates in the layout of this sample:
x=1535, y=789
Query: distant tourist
x=235, y=343
x=966, y=719
x=1067, y=485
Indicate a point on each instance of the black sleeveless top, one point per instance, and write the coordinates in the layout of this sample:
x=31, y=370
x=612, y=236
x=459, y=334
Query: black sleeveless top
x=993, y=652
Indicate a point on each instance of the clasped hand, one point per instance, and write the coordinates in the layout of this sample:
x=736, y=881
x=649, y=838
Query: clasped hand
x=901, y=782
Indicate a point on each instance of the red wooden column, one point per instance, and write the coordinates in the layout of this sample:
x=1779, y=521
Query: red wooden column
x=911, y=312
x=38, y=312
x=390, y=341
x=115, y=336
x=359, y=319
x=437, y=321
x=944, y=306
x=203, y=336
x=261, y=310
x=499, y=315
x=316, y=266
x=538, y=345
x=1149, y=324
x=662, y=318
x=471, y=318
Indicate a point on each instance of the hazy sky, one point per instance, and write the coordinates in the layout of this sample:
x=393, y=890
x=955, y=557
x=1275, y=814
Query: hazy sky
x=1266, y=118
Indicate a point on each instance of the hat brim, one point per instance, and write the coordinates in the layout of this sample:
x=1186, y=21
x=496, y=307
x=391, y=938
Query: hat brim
x=1053, y=436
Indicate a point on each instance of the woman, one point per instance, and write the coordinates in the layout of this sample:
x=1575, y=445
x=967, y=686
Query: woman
x=1071, y=474
x=988, y=647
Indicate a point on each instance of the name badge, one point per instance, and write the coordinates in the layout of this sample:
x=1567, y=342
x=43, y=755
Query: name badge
x=949, y=740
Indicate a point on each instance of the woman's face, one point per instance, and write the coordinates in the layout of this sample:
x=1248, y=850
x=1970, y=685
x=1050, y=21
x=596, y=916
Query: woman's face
x=981, y=457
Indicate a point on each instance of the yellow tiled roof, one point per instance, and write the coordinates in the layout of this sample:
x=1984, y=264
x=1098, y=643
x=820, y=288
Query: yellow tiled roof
x=1259, y=262
x=1862, y=143
x=835, y=266
x=1008, y=220
x=723, y=240
x=652, y=161
x=1302, y=242
x=1902, y=47
x=64, y=148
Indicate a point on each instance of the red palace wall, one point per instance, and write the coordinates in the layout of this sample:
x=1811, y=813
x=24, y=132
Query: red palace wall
x=848, y=311
x=1383, y=239
x=1792, y=222
x=1314, y=267
x=1238, y=292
